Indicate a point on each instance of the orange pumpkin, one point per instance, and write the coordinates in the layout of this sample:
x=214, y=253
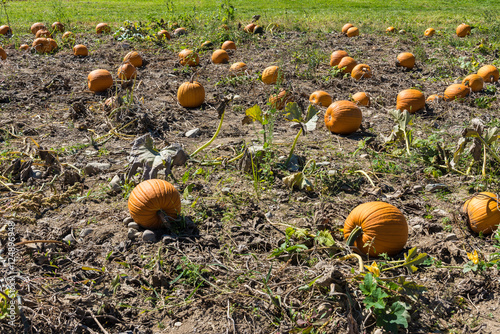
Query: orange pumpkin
x=207, y=45
x=474, y=81
x=483, y=212
x=347, y=64
x=405, y=59
x=250, y=27
x=5, y=30
x=58, y=26
x=463, y=30
x=238, y=68
x=180, y=31
x=189, y=57
x=361, y=71
x=80, y=50
x=24, y=47
x=43, y=33
x=434, y=98
x=102, y=28
x=390, y=29
x=336, y=57
x=127, y=71
x=41, y=45
x=352, y=32
x=37, y=26
x=280, y=100
x=3, y=54
x=220, y=57
x=346, y=27
x=134, y=58
x=320, y=97
x=489, y=73
x=456, y=91
x=270, y=75
x=383, y=228
x=191, y=94
x=52, y=44
x=343, y=117
x=228, y=45
x=429, y=32
x=99, y=80
x=67, y=36
x=410, y=99
x=361, y=98
x=151, y=196
x=163, y=34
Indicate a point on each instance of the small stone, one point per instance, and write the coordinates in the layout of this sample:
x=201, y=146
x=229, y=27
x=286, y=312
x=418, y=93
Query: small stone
x=440, y=213
x=451, y=237
x=178, y=324
x=132, y=233
x=364, y=156
x=417, y=228
x=269, y=214
x=193, y=133
x=94, y=168
x=186, y=202
x=148, y=236
x=332, y=172
x=418, y=188
x=236, y=97
x=69, y=239
x=115, y=183
x=226, y=190
x=85, y=232
x=127, y=220
x=323, y=164
x=435, y=187
x=133, y=225
x=36, y=174
x=379, y=331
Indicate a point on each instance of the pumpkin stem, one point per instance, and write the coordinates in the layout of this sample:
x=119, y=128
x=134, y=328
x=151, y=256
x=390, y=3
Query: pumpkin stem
x=356, y=256
x=202, y=147
x=164, y=218
x=355, y=233
x=192, y=76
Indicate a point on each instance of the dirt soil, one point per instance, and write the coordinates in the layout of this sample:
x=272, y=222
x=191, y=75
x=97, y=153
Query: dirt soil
x=214, y=270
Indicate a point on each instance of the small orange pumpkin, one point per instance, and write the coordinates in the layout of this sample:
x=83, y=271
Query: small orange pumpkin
x=37, y=26
x=489, y=73
x=483, y=212
x=163, y=34
x=346, y=27
x=347, y=64
x=24, y=47
x=102, y=28
x=474, y=81
x=134, y=58
x=52, y=44
x=280, y=100
x=361, y=98
x=352, y=32
x=80, y=50
x=220, y=57
x=343, y=117
x=127, y=71
x=189, y=57
x=5, y=30
x=336, y=57
x=270, y=75
x=320, y=97
x=58, y=26
x=361, y=71
x=405, y=59
x=429, y=32
x=99, y=80
x=434, y=98
x=228, y=45
x=411, y=100
x=191, y=94
x=3, y=54
x=151, y=196
x=207, y=45
x=390, y=30
x=463, y=30
x=383, y=228
x=41, y=45
x=250, y=27
x=238, y=68
x=180, y=31
x=456, y=91
x=43, y=33
x=67, y=36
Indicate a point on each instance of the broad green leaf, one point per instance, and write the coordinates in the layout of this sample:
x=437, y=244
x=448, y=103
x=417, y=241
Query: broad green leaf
x=325, y=238
x=400, y=310
x=311, y=112
x=412, y=259
x=253, y=114
x=293, y=113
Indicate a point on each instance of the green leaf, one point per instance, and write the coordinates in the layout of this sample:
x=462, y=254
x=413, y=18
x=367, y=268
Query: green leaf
x=412, y=259
x=253, y=114
x=91, y=269
x=293, y=113
x=311, y=112
x=400, y=310
x=325, y=238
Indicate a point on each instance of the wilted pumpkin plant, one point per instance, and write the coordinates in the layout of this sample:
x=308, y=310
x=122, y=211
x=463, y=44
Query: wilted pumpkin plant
x=401, y=131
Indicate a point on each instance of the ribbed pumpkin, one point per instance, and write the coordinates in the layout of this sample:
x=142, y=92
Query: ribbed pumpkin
x=127, y=71
x=3, y=54
x=347, y=63
x=99, y=80
x=68, y=36
x=189, y=57
x=191, y=94
x=41, y=45
x=456, y=91
x=489, y=73
x=43, y=33
x=228, y=45
x=5, y=30
x=270, y=75
x=343, y=117
x=102, y=28
x=361, y=71
x=280, y=100
x=405, y=59
x=429, y=32
x=483, y=213
x=434, y=98
x=410, y=99
x=337, y=56
x=220, y=57
x=361, y=98
x=238, y=68
x=24, y=47
x=80, y=50
x=474, y=81
x=250, y=27
x=346, y=27
x=320, y=97
x=390, y=30
x=52, y=44
x=134, y=58
x=37, y=26
x=352, y=32
x=383, y=228
x=58, y=26
x=463, y=30
x=151, y=196
x=163, y=34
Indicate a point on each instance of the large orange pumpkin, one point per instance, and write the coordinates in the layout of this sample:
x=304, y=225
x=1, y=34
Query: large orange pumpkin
x=320, y=97
x=80, y=50
x=151, y=196
x=270, y=75
x=474, y=81
x=228, y=45
x=361, y=98
x=489, y=73
x=41, y=45
x=191, y=94
x=383, y=228
x=220, y=57
x=405, y=59
x=343, y=117
x=463, y=30
x=483, y=212
x=361, y=71
x=134, y=58
x=336, y=57
x=347, y=63
x=238, y=68
x=456, y=91
x=99, y=80
x=410, y=99
x=189, y=57
x=127, y=71
x=52, y=44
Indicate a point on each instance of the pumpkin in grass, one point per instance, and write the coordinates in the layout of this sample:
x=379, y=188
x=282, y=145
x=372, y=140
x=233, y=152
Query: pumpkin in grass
x=37, y=26
x=456, y=91
x=99, y=80
x=343, y=117
x=238, y=68
x=463, y=30
x=270, y=75
x=5, y=30
x=3, y=54
x=321, y=98
x=489, y=73
x=191, y=94
x=483, y=214
x=127, y=71
x=405, y=59
x=41, y=45
x=206, y=45
x=43, y=33
x=68, y=36
x=279, y=101
x=24, y=47
x=361, y=98
x=250, y=27
x=352, y=32
x=220, y=57
x=347, y=64
x=52, y=44
x=80, y=50
x=57, y=26
x=474, y=81
x=434, y=98
x=429, y=32
x=337, y=56
x=134, y=58
x=102, y=28
x=151, y=196
x=228, y=45
x=361, y=71
x=411, y=100
x=377, y=228
x=346, y=27
x=189, y=57
x=180, y=31
x=390, y=30
x=163, y=34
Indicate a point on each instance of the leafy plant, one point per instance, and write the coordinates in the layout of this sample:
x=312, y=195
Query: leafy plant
x=401, y=131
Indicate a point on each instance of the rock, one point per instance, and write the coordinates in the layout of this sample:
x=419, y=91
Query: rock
x=94, y=168
x=69, y=239
x=363, y=156
x=418, y=228
x=435, y=187
x=132, y=234
x=451, y=237
x=269, y=214
x=186, y=202
x=148, y=236
x=85, y=232
x=440, y=213
x=127, y=221
x=332, y=172
x=133, y=225
x=178, y=324
x=36, y=174
x=116, y=183
x=226, y=191
x=236, y=97
x=418, y=188
x=193, y=133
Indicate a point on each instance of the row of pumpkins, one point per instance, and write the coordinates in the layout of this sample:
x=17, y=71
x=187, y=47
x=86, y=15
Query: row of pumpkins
x=377, y=227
